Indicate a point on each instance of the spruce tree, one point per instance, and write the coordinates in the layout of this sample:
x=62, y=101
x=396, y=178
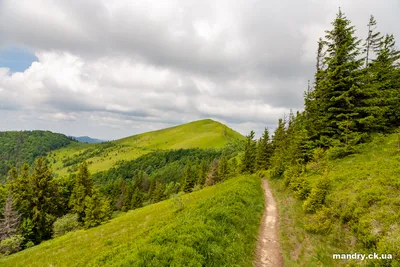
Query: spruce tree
x=137, y=198
x=223, y=169
x=264, y=151
x=189, y=179
x=339, y=90
x=10, y=220
x=249, y=155
x=373, y=40
x=202, y=172
x=83, y=188
x=43, y=201
x=97, y=209
x=385, y=84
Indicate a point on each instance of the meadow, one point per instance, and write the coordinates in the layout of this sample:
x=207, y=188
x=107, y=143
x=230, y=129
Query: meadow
x=198, y=134
x=215, y=226
x=360, y=213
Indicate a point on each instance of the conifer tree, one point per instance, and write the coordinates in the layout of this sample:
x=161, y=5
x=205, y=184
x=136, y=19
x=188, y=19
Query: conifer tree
x=97, y=210
x=159, y=192
x=212, y=175
x=249, y=155
x=202, y=172
x=339, y=90
x=10, y=220
x=83, y=188
x=223, y=169
x=42, y=202
x=137, y=198
x=385, y=84
x=373, y=40
x=264, y=151
x=189, y=179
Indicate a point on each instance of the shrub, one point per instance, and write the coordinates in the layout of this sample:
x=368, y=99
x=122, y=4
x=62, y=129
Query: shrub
x=321, y=222
x=11, y=244
x=338, y=152
x=65, y=224
x=292, y=173
x=317, y=196
x=29, y=244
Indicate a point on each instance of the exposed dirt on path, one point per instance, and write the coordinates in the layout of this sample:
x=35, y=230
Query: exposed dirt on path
x=268, y=250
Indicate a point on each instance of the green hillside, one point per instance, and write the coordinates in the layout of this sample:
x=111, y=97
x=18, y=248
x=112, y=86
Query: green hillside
x=18, y=147
x=360, y=212
x=216, y=226
x=201, y=134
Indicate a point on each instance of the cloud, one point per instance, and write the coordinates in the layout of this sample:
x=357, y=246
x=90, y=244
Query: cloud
x=123, y=67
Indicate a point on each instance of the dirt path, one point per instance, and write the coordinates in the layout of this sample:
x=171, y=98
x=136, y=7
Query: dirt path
x=268, y=249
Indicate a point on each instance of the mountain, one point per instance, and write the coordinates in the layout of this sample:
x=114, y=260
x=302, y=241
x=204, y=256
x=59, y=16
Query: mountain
x=215, y=226
x=18, y=147
x=198, y=134
x=87, y=139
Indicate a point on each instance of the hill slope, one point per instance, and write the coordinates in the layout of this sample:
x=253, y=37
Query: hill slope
x=216, y=226
x=360, y=212
x=18, y=147
x=202, y=134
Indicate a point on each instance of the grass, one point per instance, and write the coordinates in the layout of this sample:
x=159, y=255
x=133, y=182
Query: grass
x=361, y=213
x=215, y=226
x=201, y=134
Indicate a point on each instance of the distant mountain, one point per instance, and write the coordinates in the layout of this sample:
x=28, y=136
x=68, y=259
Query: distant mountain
x=89, y=140
x=205, y=133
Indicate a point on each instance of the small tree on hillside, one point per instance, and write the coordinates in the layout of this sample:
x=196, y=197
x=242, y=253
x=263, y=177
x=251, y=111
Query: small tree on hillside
x=82, y=189
x=223, y=169
x=249, y=155
x=11, y=219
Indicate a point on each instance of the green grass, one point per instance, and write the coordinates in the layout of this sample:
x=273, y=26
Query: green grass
x=201, y=134
x=217, y=226
x=363, y=210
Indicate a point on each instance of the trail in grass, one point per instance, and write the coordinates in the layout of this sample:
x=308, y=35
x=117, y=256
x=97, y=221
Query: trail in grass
x=268, y=249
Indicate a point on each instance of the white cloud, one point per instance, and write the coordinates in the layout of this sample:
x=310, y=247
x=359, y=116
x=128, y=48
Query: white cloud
x=114, y=68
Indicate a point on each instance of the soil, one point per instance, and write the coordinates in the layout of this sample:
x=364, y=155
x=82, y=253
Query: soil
x=268, y=250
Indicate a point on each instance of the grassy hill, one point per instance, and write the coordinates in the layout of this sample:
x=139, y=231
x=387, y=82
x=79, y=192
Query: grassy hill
x=18, y=147
x=216, y=226
x=361, y=211
x=202, y=134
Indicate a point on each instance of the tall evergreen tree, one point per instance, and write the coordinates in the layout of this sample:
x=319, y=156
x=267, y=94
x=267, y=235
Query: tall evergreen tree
x=373, y=40
x=42, y=202
x=249, y=155
x=202, y=172
x=223, y=169
x=339, y=90
x=97, y=209
x=189, y=178
x=264, y=151
x=83, y=188
x=11, y=219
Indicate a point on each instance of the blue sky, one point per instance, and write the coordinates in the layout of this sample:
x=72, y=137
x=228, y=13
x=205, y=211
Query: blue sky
x=16, y=59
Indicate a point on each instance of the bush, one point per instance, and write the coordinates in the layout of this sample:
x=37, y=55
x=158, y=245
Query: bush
x=29, y=244
x=338, y=152
x=300, y=187
x=292, y=173
x=11, y=244
x=321, y=222
x=317, y=196
x=65, y=224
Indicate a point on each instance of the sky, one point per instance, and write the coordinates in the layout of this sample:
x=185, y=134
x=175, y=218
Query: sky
x=110, y=69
